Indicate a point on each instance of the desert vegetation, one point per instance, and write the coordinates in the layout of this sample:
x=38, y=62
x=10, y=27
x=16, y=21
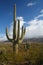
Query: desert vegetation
x=31, y=56
x=16, y=52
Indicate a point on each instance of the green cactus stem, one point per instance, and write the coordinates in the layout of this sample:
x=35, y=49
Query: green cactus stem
x=16, y=33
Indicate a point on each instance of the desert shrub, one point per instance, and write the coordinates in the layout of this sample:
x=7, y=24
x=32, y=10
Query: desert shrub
x=35, y=54
x=2, y=53
x=26, y=46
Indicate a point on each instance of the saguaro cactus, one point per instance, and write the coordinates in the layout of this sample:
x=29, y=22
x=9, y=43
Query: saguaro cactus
x=16, y=33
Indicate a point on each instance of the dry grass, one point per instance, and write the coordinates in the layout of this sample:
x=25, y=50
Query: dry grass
x=33, y=55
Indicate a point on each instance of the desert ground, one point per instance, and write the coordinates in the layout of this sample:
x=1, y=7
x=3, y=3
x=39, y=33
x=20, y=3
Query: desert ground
x=31, y=55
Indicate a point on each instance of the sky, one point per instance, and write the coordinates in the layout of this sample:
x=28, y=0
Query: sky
x=30, y=13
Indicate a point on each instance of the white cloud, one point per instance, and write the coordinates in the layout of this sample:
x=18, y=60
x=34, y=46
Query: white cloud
x=34, y=28
x=41, y=15
x=3, y=37
x=30, y=4
x=33, y=22
x=41, y=11
x=21, y=21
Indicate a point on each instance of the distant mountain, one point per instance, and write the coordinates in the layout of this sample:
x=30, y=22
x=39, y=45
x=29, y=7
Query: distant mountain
x=33, y=40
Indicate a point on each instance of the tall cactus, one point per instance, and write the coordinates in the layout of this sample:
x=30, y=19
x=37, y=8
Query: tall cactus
x=16, y=33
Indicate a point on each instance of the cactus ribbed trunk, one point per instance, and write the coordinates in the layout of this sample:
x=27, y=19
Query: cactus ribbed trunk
x=14, y=25
x=15, y=48
x=16, y=33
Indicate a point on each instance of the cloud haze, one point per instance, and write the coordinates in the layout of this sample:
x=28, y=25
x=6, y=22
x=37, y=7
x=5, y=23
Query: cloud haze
x=30, y=4
x=34, y=28
x=41, y=11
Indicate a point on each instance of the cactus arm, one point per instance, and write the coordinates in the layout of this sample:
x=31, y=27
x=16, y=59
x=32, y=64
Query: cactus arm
x=14, y=30
x=24, y=30
x=18, y=31
x=7, y=35
x=14, y=26
x=23, y=33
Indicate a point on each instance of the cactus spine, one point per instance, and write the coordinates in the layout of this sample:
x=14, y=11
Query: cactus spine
x=16, y=33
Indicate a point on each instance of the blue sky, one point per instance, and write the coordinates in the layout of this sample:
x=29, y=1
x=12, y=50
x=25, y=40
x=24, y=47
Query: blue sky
x=28, y=11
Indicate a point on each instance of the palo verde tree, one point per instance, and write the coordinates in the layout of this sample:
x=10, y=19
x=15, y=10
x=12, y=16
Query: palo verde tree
x=16, y=33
